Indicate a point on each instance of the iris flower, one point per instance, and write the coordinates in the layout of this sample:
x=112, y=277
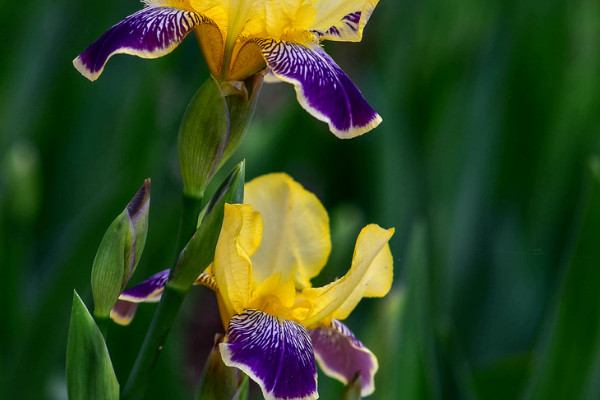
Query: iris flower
x=276, y=323
x=241, y=37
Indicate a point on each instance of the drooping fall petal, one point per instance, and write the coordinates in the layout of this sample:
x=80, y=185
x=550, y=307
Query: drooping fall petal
x=341, y=355
x=278, y=355
x=322, y=88
x=149, y=33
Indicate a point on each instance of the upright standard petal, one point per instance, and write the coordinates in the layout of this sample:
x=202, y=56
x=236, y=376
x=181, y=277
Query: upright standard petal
x=232, y=269
x=342, y=21
x=322, y=88
x=296, y=240
x=341, y=355
x=278, y=355
x=149, y=33
x=370, y=275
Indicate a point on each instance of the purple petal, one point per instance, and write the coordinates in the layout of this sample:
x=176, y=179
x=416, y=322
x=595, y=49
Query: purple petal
x=322, y=88
x=341, y=355
x=147, y=291
x=278, y=355
x=123, y=312
x=149, y=33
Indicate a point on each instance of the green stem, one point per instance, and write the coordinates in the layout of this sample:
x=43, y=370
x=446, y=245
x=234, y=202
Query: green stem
x=103, y=323
x=191, y=207
x=167, y=309
x=153, y=343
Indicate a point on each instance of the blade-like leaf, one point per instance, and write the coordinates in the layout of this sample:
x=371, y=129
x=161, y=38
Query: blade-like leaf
x=567, y=358
x=416, y=366
x=90, y=374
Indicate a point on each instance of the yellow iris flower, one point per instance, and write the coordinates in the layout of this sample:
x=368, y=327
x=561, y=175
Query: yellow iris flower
x=242, y=37
x=269, y=250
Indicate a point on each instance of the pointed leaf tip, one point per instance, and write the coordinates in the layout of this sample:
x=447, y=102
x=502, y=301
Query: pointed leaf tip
x=89, y=370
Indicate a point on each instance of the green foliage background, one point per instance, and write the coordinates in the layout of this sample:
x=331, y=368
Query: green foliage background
x=490, y=113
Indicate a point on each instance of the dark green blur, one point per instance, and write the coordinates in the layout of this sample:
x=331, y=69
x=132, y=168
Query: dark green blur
x=491, y=114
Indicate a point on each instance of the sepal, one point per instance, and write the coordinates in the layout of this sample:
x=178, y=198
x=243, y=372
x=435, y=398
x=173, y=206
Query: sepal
x=212, y=129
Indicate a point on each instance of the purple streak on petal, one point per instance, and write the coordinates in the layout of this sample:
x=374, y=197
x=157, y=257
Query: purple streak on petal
x=342, y=355
x=147, y=291
x=322, y=88
x=351, y=21
x=278, y=355
x=137, y=207
x=149, y=33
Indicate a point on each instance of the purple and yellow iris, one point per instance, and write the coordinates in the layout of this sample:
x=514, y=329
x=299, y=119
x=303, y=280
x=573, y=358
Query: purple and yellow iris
x=241, y=37
x=268, y=251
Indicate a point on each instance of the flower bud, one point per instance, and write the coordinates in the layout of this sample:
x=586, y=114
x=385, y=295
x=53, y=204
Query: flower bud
x=212, y=129
x=218, y=381
x=119, y=252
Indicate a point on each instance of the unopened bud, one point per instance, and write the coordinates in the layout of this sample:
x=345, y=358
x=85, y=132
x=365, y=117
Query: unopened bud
x=119, y=252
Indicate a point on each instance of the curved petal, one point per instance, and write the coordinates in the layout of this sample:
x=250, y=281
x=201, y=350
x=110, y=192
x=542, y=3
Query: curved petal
x=296, y=240
x=278, y=355
x=149, y=291
x=341, y=355
x=322, y=88
x=149, y=33
x=240, y=237
x=342, y=21
x=370, y=275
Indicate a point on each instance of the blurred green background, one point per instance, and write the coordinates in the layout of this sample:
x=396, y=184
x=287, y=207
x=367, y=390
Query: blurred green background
x=490, y=119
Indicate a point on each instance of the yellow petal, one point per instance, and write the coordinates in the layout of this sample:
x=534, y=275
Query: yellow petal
x=274, y=297
x=247, y=60
x=210, y=39
x=296, y=241
x=289, y=20
x=370, y=275
x=240, y=237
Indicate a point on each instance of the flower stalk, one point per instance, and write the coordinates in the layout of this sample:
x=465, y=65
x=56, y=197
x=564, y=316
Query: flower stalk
x=196, y=256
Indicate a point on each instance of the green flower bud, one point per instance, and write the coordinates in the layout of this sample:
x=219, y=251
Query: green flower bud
x=119, y=252
x=218, y=381
x=212, y=129
x=352, y=389
x=200, y=250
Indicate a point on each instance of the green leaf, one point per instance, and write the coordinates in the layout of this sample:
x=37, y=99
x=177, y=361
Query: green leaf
x=503, y=379
x=243, y=389
x=567, y=358
x=90, y=374
x=415, y=371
